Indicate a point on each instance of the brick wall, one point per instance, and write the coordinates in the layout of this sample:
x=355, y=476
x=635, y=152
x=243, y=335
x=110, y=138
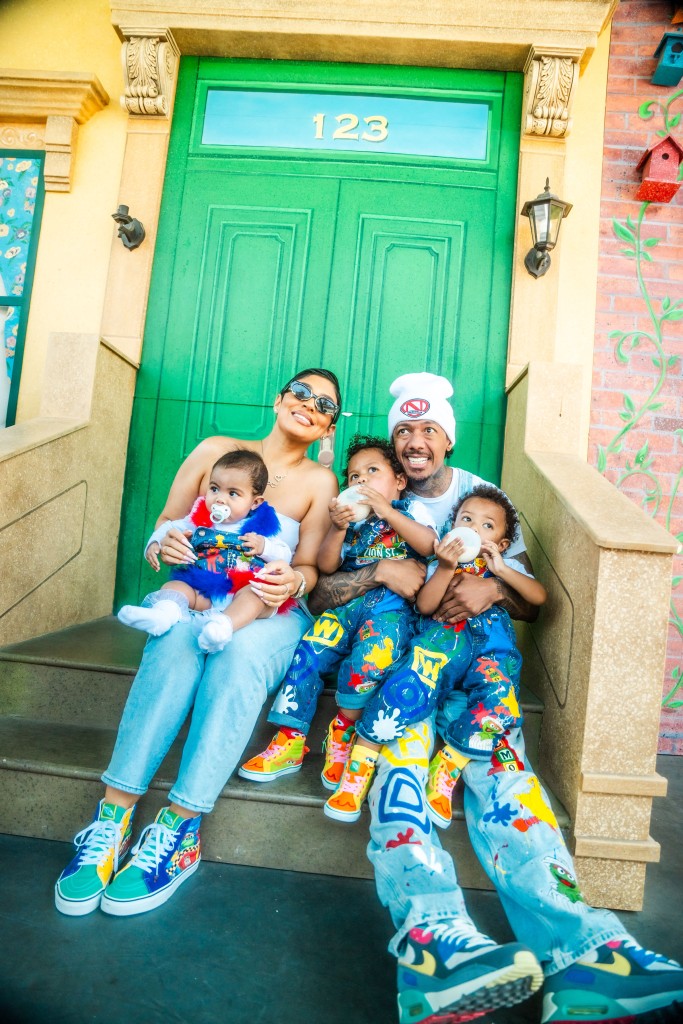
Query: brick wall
x=647, y=459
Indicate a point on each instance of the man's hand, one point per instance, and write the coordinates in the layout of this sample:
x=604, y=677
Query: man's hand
x=468, y=595
x=403, y=576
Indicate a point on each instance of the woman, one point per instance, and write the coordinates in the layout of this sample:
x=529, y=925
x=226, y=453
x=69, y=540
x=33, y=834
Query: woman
x=225, y=691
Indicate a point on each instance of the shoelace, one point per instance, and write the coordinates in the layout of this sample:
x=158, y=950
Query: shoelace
x=353, y=782
x=154, y=843
x=340, y=748
x=95, y=842
x=648, y=956
x=459, y=933
x=444, y=783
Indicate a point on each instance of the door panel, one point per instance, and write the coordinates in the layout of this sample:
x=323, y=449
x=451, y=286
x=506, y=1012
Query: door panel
x=269, y=264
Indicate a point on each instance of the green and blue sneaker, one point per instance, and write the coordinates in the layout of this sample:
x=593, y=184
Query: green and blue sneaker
x=101, y=845
x=450, y=972
x=165, y=856
x=619, y=982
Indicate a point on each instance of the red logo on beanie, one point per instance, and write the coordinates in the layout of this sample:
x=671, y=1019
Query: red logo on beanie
x=415, y=407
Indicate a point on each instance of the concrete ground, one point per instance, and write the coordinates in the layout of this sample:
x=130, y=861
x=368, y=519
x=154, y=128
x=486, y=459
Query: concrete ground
x=243, y=945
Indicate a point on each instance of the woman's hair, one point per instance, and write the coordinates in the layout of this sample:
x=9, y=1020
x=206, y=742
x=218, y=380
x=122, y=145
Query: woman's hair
x=360, y=442
x=316, y=371
x=248, y=461
x=498, y=497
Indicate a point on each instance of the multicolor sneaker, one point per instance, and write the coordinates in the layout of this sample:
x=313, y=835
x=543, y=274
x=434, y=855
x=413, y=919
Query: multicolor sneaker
x=337, y=747
x=450, y=972
x=357, y=775
x=619, y=981
x=444, y=771
x=101, y=845
x=165, y=856
x=283, y=755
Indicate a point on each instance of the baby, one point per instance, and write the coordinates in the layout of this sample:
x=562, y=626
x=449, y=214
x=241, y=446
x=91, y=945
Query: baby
x=234, y=534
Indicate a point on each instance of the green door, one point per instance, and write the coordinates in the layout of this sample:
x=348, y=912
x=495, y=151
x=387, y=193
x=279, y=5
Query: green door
x=277, y=250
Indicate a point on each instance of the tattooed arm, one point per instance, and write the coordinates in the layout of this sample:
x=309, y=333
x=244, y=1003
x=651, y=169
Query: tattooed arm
x=469, y=595
x=404, y=577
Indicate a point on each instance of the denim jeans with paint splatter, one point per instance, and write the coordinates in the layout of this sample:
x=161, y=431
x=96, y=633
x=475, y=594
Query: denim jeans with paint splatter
x=362, y=639
x=480, y=658
x=224, y=692
x=513, y=832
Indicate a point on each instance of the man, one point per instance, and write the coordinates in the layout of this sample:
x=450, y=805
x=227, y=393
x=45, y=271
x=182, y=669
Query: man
x=447, y=970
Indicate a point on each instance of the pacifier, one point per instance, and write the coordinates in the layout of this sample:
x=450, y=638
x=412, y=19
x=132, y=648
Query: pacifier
x=355, y=501
x=470, y=539
x=220, y=513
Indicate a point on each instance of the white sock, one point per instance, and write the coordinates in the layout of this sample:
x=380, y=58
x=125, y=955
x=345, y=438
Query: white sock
x=216, y=634
x=155, y=620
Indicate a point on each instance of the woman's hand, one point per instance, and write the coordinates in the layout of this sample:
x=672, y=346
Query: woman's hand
x=276, y=583
x=176, y=548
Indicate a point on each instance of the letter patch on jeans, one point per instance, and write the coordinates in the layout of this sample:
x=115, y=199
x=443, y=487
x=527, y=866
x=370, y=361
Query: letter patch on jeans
x=327, y=630
x=428, y=664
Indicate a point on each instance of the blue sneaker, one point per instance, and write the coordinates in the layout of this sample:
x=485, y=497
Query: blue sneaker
x=450, y=972
x=619, y=982
x=101, y=845
x=166, y=854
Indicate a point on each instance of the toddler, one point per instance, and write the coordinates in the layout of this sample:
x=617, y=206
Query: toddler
x=363, y=638
x=479, y=656
x=234, y=533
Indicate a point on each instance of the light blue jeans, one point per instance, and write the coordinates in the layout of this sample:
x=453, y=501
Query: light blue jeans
x=225, y=693
x=513, y=833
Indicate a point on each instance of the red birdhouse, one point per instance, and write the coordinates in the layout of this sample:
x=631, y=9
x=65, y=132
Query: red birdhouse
x=659, y=167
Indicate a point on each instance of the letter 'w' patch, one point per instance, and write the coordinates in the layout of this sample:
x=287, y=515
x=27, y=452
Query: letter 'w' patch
x=327, y=630
x=428, y=664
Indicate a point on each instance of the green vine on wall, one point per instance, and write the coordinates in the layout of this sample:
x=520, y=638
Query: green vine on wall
x=639, y=249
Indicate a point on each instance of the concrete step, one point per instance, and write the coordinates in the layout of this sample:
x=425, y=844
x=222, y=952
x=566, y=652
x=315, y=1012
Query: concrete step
x=61, y=697
x=49, y=786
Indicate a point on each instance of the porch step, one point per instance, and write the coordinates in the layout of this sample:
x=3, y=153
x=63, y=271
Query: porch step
x=61, y=697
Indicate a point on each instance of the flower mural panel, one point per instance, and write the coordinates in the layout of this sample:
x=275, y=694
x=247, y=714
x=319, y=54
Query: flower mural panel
x=20, y=183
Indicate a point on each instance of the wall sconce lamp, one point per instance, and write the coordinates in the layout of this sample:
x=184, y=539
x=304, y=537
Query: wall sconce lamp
x=131, y=231
x=545, y=214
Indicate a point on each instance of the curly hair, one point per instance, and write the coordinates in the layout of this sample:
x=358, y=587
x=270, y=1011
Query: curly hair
x=250, y=462
x=361, y=442
x=498, y=497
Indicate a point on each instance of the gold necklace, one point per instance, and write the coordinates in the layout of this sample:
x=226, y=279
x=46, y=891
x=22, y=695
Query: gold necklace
x=279, y=477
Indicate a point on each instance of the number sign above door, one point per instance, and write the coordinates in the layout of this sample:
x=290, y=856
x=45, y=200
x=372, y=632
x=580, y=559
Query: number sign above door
x=346, y=121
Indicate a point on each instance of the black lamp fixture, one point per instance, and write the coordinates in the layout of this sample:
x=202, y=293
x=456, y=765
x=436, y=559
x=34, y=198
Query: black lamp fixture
x=545, y=214
x=131, y=232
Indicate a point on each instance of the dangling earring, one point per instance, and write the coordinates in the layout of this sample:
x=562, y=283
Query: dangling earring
x=326, y=450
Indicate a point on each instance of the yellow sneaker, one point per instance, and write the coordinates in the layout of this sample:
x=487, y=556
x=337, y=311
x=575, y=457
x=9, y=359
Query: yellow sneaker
x=357, y=775
x=444, y=771
x=337, y=747
x=283, y=756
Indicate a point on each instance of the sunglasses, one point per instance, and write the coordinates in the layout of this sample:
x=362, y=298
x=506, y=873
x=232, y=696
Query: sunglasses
x=303, y=393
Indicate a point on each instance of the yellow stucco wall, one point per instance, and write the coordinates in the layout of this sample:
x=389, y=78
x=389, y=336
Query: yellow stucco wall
x=76, y=229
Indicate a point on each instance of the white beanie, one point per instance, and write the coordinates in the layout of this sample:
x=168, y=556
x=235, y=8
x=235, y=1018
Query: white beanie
x=422, y=396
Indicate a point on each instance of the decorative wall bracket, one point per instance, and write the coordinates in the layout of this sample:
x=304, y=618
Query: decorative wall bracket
x=150, y=67
x=50, y=105
x=550, y=80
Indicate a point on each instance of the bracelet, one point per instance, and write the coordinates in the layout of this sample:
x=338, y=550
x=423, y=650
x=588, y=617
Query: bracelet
x=301, y=589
